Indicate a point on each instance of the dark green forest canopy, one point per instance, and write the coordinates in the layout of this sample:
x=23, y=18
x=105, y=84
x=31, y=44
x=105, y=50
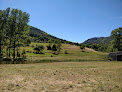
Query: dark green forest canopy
x=38, y=35
x=112, y=43
x=99, y=40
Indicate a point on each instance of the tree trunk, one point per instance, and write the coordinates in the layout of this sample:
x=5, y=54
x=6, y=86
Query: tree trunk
x=9, y=52
x=14, y=52
x=9, y=48
x=0, y=49
x=18, y=50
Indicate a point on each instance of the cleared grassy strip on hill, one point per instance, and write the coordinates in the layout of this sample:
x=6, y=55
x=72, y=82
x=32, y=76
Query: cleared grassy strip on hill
x=62, y=76
x=74, y=54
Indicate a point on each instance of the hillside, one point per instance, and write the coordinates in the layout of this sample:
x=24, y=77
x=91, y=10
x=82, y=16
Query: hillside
x=38, y=35
x=74, y=53
x=99, y=40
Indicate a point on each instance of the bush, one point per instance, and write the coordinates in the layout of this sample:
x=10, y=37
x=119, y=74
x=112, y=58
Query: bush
x=23, y=51
x=49, y=47
x=39, y=48
x=82, y=47
x=66, y=52
x=54, y=48
x=23, y=54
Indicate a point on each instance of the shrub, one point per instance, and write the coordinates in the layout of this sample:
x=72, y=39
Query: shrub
x=49, y=47
x=66, y=52
x=23, y=51
x=82, y=47
x=54, y=48
x=23, y=54
x=39, y=48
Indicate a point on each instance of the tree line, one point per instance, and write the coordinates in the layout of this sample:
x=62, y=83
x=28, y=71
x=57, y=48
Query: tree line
x=113, y=46
x=40, y=36
x=14, y=32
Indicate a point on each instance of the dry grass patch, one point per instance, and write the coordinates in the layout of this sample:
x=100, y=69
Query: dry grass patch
x=90, y=49
x=62, y=77
x=70, y=47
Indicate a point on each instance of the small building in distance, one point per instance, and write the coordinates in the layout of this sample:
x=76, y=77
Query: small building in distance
x=116, y=55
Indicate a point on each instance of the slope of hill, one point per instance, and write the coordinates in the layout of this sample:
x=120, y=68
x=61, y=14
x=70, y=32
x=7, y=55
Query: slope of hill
x=38, y=35
x=99, y=40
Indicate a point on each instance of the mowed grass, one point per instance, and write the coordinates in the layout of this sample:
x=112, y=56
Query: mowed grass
x=74, y=54
x=85, y=76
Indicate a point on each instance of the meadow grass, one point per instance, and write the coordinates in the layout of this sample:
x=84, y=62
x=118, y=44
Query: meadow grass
x=74, y=54
x=77, y=71
x=84, y=76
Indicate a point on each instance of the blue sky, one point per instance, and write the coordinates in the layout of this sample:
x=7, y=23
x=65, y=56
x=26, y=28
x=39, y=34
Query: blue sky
x=72, y=20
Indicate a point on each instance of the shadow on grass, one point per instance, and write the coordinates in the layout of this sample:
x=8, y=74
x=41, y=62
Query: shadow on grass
x=50, y=61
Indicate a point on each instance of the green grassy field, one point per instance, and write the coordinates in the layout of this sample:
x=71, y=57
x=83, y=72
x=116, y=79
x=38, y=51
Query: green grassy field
x=74, y=54
x=88, y=76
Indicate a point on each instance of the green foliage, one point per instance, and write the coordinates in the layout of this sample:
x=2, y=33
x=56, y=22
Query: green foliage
x=59, y=47
x=23, y=51
x=54, y=48
x=13, y=30
x=27, y=41
x=117, y=41
x=40, y=36
x=4, y=17
x=82, y=47
x=39, y=48
x=18, y=54
x=66, y=52
x=99, y=40
x=97, y=47
x=102, y=48
x=23, y=54
x=18, y=25
x=99, y=43
x=49, y=47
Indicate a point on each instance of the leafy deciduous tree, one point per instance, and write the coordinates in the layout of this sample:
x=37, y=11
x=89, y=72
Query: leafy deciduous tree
x=117, y=41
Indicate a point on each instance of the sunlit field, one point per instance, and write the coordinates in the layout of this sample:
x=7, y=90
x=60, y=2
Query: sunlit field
x=76, y=71
x=87, y=76
x=60, y=46
x=74, y=54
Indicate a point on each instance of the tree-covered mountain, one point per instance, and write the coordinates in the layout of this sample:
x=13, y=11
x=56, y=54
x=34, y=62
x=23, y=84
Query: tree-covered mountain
x=38, y=35
x=99, y=41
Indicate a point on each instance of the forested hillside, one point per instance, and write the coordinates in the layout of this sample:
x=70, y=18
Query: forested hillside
x=38, y=35
x=99, y=41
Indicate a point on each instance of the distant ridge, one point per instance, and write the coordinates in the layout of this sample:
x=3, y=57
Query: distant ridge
x=99, y=40
x=38, y=35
